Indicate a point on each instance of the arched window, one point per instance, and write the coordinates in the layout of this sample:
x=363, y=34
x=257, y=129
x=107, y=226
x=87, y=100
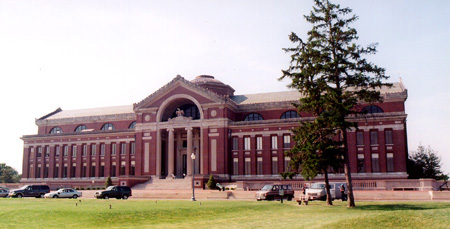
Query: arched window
x=290, y=114
x=189, y=110
x=132, y=125
x=56, y=130
x=372, y=109
x=80, y=128
x=108, y=126
x=253, y=117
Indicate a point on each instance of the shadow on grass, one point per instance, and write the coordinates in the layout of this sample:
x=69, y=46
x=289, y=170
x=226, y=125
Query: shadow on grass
x=402, y=207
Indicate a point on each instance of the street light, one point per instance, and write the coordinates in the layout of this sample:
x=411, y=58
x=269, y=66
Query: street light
x=193, y=172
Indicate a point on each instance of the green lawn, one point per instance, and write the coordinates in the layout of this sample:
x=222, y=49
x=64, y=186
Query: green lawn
x=34, y=213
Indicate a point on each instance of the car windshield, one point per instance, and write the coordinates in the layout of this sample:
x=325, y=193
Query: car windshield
x=109, y=188
x=266, y=188
x=60, y=190
x=318, y=186
x=24, y=187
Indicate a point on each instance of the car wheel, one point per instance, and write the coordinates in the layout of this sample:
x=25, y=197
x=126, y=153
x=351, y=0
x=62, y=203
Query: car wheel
x=74, y=196
x=55, y=196
x=42, y=195
x=125, y=197
x=106, y=197
x=19, y=195
x=289, y=198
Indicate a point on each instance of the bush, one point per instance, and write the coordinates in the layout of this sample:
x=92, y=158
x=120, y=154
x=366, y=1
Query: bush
x=108, y=182
x=211, y=182
x=88, y=188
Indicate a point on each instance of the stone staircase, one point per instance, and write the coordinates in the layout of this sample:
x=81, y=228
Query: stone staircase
x=165, y=184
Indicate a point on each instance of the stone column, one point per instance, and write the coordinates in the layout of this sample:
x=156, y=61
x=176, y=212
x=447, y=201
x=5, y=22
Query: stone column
x=171, y=153
x=189, y=151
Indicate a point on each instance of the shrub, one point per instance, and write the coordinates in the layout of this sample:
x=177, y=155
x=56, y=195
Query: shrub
x=108, y=182
x=211, y=182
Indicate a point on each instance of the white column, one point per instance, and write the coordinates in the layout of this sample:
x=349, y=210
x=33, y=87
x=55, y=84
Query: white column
x=189, y=151
x=171, y=155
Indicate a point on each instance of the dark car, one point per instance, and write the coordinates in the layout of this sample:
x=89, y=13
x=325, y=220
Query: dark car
x=3, y=192
x=114, y=192
x=37, y=191
x=274, y=191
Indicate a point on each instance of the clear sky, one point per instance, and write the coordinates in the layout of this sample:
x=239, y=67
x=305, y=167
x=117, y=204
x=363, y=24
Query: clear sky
x=87, y=53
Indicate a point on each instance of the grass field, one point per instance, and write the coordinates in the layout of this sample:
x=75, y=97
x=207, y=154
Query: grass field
x=20, y=213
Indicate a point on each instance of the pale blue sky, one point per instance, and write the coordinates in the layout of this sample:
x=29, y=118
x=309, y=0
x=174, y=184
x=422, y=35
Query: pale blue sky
x=83, y=54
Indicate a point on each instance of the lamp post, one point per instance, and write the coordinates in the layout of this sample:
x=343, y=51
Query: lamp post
x=193, y=172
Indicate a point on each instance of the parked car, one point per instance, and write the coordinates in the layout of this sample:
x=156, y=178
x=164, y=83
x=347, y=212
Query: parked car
x=3, y=192
x=317, y=191
x=64, y=193
x=37, y=191
x=114, y=192
x=272, y=191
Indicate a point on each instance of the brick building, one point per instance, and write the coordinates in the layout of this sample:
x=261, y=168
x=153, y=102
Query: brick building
x=234, y=137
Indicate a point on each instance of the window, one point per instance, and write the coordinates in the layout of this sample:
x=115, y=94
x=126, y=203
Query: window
x=122, y=168
x=274, y=165
x=259, y=165
x=188, y=110
x=388, y=136
x=132, y=168
x=108, y=126
x=56, y=130
x=286, y=141
x=390, y=162
x=248, y=166
x=247, y=143
x=235, y=143
x=74, y=169
x=57, y=149
x=93, y=170
x=93, y=149
x=287, y=168
x=361, y=165
x=84, y=150
x=132, y=125
x=38, y=172
x=56, y=171
x=39, y=151
x=372, y=109
x=274, y=142
x=113, y=170
x=46, y=171
x=133, y=148
x=102, y=170
x=65, y=171
x=80, y=128
x=259, y=143
x=102, y=149
x=374, y=137
x=113, y=149
x=359, y=138
x=84, y=170
x=290, y=114
x=74, y=151
x=66, y=151
x=235, y=166
x=123, y=148
x=375, y=163
x=253, y=117
x=47, y=151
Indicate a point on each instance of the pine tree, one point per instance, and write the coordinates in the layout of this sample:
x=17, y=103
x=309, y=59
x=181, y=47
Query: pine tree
x=211, y=182
x=331, y=74
x=108, y=182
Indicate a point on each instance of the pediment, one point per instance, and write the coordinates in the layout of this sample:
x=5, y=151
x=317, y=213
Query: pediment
x=179, y=87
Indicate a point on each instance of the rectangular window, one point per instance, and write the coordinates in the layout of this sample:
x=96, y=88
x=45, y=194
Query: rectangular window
x=113, y=149
x=66, y=151
x=93, y=149
x=113, y=171
x=133, y=148
x=102, y=170
x=361, y=164
x=74, y=169
x=235, y=166
x=287, y=168
x=274, y=142
x=390, y=162
x=247, y=143
x=132, y=168
x=84, y=150
x=84, y=170
x=39, y=151
x=259, y=143
x=259, y=166
x=274, y=165
x=57, y=149
x=46, y=171
x=123, y=149
x=360, y=138
x=47, y=151
x=235, y=143
x=122, y=168
x=74, y=151
x=375, y=163
x=56, y=171
x=93, y=170
x=102, y=149
x=374, y=137
x=286, y=141
x=388, y=136
x=248, y=166
x=65, y=171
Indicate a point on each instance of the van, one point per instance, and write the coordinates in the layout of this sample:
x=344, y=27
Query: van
x=37, y=191
x=317, y=191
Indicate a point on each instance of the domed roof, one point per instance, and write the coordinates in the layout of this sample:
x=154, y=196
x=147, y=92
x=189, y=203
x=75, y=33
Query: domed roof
x=201, y=79
x=208, y=82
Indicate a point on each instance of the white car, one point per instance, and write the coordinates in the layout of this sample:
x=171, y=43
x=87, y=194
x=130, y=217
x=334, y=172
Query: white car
x=64, y=193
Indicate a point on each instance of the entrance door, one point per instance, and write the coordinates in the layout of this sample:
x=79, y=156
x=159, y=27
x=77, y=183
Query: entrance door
x=184, y=164
x=163, y=159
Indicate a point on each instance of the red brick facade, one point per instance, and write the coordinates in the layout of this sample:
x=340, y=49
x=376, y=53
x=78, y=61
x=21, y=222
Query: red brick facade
x=156, y=137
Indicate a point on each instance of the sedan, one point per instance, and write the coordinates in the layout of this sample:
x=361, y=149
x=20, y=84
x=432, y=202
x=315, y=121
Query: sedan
x=64, y=193
x=4, y=192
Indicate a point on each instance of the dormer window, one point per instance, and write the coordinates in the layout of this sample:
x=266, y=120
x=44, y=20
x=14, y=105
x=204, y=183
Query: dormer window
x=56, y=130
x=253, y=117
x=108, y=127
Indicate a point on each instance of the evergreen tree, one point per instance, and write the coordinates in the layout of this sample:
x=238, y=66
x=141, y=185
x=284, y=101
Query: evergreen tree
x=211, y=182
x=8, y=174
x=425, y=163
x=108, y=182
x=331, y=74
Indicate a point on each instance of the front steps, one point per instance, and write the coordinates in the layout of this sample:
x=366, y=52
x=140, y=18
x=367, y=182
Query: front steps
x=165, y=184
